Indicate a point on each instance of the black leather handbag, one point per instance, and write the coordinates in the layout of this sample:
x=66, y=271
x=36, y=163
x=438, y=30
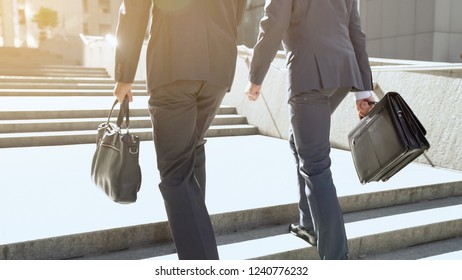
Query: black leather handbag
x=115, y=167
x=387, y=139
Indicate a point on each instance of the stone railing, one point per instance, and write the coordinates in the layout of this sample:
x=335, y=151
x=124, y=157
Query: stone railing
x=99, y=52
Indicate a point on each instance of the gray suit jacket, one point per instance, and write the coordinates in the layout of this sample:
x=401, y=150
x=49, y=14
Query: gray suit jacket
x=323, y=40
x=189, y=40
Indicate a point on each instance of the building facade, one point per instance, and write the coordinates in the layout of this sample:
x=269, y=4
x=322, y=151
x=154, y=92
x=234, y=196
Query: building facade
x=428, y=30
x=90, y=17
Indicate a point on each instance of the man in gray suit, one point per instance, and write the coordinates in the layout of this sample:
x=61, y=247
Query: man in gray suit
x=326, y=59
x=191, y=59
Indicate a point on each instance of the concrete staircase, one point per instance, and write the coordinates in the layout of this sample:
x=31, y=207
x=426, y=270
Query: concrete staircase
x=82, y=98
x=418, y=228
x=416, y=216
x=28, y=57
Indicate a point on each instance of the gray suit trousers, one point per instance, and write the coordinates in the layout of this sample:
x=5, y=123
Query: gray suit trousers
x=181, y=114
x=310, y=116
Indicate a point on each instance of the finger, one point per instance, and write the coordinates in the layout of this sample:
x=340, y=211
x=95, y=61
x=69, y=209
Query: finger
x=364, y=105
x=250, y=96
x=365, y=108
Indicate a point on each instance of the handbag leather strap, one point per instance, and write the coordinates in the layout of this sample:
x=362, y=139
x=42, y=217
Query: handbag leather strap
x=124, y=112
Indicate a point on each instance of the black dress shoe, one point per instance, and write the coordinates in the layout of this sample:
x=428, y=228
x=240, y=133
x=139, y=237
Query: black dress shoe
x=306, y=234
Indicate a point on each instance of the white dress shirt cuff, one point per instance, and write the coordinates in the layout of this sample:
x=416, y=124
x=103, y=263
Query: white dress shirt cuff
x=363, y=94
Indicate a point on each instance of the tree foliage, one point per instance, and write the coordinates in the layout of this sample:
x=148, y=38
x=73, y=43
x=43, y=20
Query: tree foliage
x=46, y=17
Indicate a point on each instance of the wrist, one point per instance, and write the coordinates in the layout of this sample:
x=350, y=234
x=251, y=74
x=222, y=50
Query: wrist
x=365, y=94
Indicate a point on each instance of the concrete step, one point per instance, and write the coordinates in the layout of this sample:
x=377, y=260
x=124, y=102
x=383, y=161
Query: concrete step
x=21, y=80
x=64, y=113
x=17, y=83
x=372, y=234
x=25, y=66
x=71, y=124
x=27, y=56
x=450, y=255
x=68, y=124
x=13, y=51
x=64, y=92
x=70, y=110
x=54, y=68
x=65, y=86
x=32, y=139
x=28, y=61
x=366, y=235
x=13, y=72
x=43, y=119
x=263, y=234
x=447, y=249
x=53, y=72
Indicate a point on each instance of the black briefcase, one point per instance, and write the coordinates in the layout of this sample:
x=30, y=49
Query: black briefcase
x=387, y=139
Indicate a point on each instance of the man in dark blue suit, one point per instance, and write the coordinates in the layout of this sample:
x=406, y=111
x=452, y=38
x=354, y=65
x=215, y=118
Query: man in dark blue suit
x=326, y=58
x=191, y=60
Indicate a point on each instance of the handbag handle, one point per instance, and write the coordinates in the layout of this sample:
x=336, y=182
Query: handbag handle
x=123, y=112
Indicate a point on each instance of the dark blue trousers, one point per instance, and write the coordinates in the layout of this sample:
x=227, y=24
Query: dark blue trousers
x=181, y=114
x=310, y=117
